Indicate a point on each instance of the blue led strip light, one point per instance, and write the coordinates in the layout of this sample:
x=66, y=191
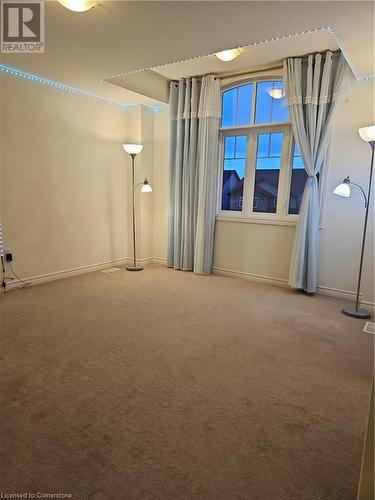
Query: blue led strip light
x=72, y=90
x=251, y=44
x=366, y=77
x=1, y=241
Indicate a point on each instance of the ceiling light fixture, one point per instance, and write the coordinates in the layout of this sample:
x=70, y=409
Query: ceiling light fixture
x=78, y=5
x=276, y=93
x=228, y=55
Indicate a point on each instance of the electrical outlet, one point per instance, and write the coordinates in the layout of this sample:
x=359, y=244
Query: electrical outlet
x=8, y=255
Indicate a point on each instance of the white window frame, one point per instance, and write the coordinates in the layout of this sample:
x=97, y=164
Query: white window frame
x=246, y=214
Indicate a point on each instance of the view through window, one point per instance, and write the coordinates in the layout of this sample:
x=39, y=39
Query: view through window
x=297, y=183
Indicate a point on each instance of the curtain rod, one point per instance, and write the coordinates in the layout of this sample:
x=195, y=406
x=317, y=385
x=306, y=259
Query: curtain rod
x=305, y=57
x=261, y=69
x=255, y=69
x=276, y=65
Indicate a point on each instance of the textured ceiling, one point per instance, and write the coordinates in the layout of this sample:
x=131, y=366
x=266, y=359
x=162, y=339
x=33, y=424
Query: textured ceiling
x=121, y=37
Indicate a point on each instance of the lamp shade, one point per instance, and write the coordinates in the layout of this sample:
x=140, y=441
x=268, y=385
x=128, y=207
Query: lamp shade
x=77, y=5
x=146, y=188
x=367, y=133
x=132, y=149
x=343, y=190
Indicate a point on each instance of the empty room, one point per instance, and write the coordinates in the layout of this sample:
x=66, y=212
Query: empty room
x=187, y=250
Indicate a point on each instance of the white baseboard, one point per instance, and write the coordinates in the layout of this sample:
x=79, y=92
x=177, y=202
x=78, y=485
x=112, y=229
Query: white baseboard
x=44, y=278
x=342, y=294
x=323, y=290
x=67, y=273
x=251, y=276
x=145, y=261
x=159, y=260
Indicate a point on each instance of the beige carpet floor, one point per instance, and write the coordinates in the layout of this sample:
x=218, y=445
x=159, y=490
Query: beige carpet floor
x=168, y=385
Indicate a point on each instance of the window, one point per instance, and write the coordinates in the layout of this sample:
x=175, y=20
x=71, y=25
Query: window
x=234, y=172
x=236, y=106
x=262, y=172
x=267, y=170
x=269, y=109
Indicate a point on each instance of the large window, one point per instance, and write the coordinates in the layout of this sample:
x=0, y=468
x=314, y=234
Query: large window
x=262, y=172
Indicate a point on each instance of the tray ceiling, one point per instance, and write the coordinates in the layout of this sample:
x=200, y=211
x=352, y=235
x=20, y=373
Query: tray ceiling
x=119, y=37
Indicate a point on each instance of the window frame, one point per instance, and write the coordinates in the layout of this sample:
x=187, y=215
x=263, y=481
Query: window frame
x=252, y=131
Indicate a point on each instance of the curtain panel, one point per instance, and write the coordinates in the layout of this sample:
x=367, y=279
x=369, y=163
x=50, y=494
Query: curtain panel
x=195, y=116
x=312, y=88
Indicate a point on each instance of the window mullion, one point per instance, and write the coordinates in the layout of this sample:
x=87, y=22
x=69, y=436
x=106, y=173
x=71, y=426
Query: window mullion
x=221, y=170
x=289, y=172
x=250, y=177
x=236, y=112
x=283, y=191
x=245, y=205
x=253, y=101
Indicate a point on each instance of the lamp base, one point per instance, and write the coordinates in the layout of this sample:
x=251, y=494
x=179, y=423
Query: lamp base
x=356, y=313
x=134, y=268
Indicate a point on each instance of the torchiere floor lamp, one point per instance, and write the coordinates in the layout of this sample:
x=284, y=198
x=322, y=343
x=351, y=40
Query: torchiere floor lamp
x=368, y=135
x=133, y=150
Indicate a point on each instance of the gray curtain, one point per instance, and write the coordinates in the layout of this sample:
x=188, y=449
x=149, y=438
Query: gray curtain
x=195, y=115
x=312, y=87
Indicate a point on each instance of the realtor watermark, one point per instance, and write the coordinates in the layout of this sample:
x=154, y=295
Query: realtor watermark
x=38, y=494
x=22, y=26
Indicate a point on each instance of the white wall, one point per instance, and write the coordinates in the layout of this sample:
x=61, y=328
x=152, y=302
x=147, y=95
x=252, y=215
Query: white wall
x=64, y=187
x=265, y=250
x=65, y=199
x=66, y=196
x=145, y=200
x=341, y=235
x=260, y=250
x=160, y=184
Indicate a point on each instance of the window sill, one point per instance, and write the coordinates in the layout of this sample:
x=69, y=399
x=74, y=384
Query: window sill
x=253, y=220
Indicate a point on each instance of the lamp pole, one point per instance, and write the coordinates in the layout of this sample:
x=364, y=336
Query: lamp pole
x=134, y=267
x=357, y=312
x=133, y=150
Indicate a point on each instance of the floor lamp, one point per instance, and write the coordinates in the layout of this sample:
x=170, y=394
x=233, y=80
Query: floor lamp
x=368, y=135
x=133, y=150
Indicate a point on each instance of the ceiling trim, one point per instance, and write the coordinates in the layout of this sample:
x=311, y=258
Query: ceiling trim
x=328, y=29
x=25, y=75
